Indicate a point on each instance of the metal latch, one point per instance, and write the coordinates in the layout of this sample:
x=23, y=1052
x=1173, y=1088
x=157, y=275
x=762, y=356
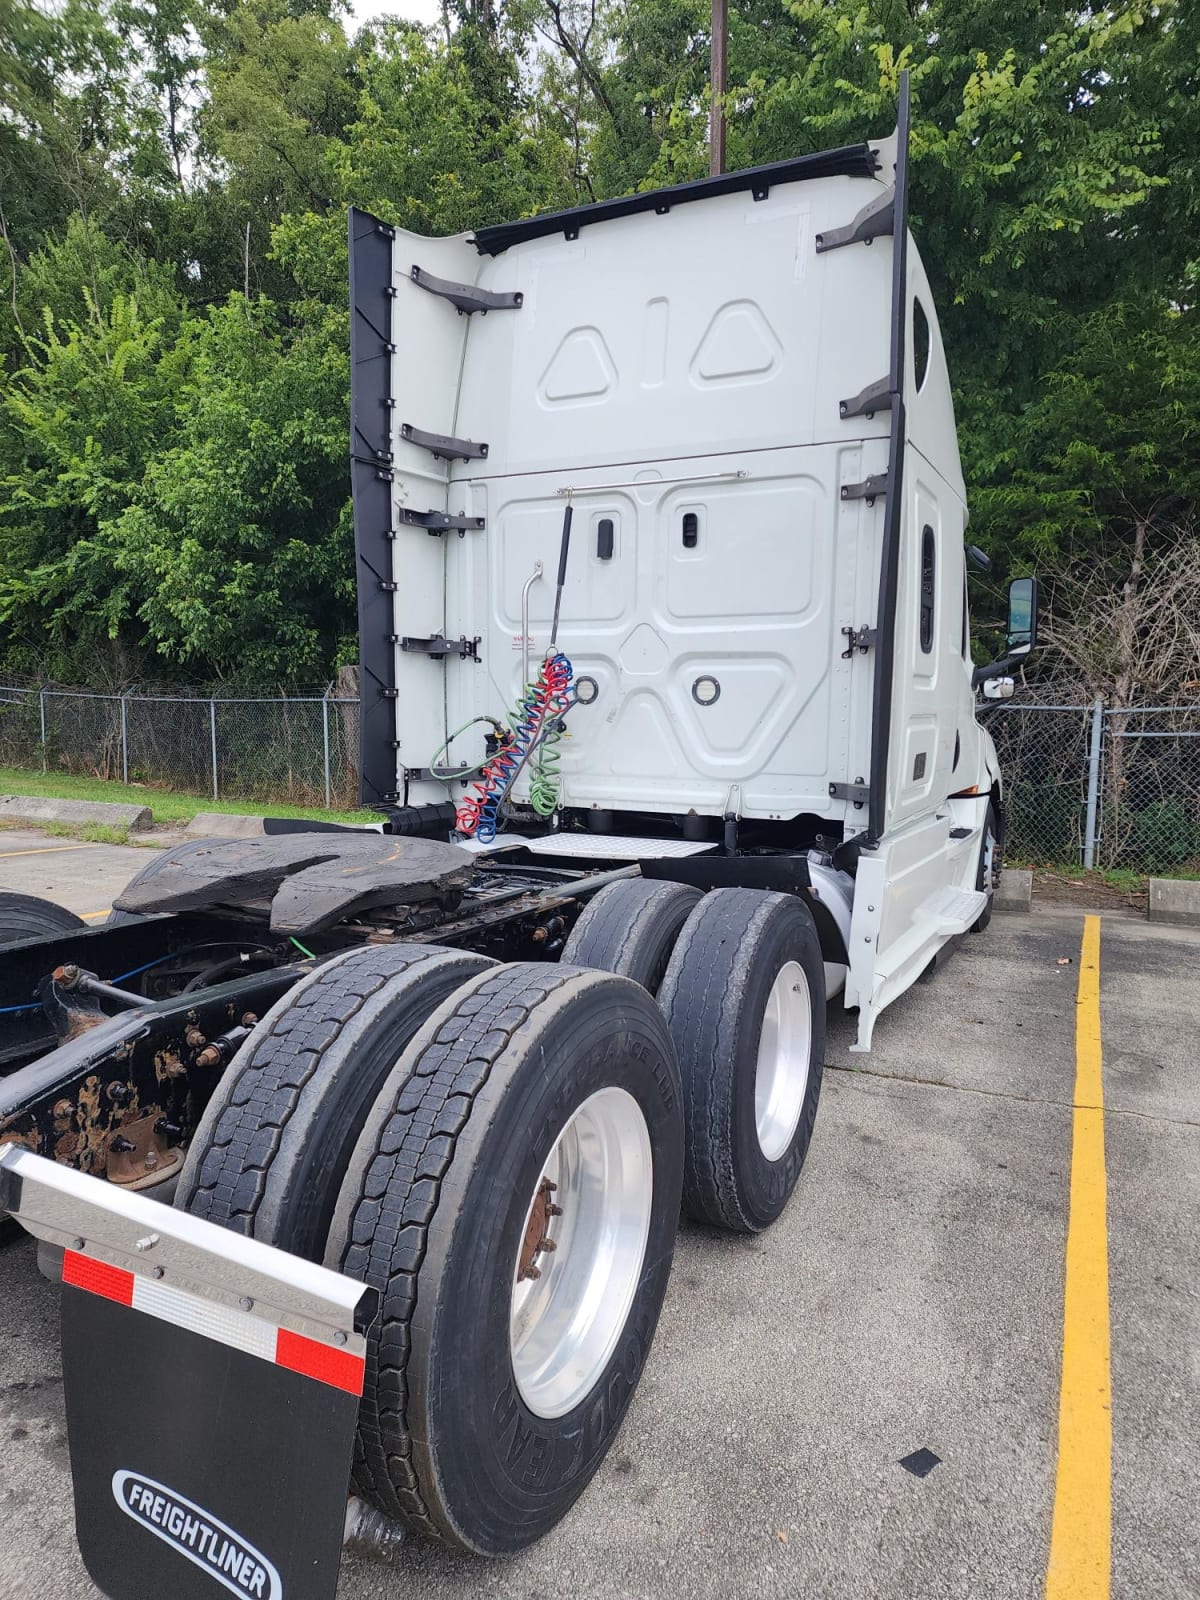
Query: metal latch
x=858, y=792
x=438, y=522
x=465, y=296
x=444, y=446
x=869, y=489
x=857, y=639
x=441, y=647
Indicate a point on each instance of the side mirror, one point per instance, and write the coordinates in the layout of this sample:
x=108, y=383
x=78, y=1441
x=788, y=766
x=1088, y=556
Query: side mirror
x=1022, y=615
x=998, y=689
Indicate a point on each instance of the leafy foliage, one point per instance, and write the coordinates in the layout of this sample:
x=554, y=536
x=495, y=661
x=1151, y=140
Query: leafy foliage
x=173, y=181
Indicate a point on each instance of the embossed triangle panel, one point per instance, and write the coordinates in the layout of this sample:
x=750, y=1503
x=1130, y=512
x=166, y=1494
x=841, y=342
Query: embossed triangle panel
x=580, y=369
x=738, y=345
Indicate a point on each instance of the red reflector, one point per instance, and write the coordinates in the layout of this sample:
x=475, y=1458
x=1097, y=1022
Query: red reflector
x=97, y=1277
x=338, y=1367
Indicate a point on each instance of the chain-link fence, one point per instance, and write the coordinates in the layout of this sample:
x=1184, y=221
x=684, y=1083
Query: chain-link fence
x=1086, y=784
x=1098, y=785
x=298, y=752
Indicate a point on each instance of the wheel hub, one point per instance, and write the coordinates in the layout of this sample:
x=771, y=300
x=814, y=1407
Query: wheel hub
x=581, y=1253
x=537, y=1234
x=784, y=1051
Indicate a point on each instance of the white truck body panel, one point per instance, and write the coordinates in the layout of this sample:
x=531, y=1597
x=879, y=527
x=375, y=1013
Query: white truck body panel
x=678, y=376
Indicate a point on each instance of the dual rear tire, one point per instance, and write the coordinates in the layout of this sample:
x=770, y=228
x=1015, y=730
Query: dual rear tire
x=502, y=1153
x=498, y=1151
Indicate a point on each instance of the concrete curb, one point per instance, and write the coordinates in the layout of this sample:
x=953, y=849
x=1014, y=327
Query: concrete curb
x=1175, y=900
x=105, y=813
x=218, y=825
x=1016, y=890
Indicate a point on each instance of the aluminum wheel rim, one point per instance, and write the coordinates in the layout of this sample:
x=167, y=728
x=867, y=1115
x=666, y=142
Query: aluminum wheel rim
x=565, y=1322
x=784, y=1052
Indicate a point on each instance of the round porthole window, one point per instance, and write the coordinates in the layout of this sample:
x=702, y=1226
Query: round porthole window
x=586, y=690
x=706, y=691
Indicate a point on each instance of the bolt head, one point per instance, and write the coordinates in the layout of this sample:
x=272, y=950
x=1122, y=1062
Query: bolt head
x=339, y=1337
x=246, y=1303
x=156, y=1272
x=78, y=1244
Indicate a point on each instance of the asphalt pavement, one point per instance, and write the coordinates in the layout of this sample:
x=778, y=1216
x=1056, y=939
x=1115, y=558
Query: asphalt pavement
x=910, y=1299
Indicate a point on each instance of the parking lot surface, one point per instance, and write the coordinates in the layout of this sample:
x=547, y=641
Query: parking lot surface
x=911, y=1298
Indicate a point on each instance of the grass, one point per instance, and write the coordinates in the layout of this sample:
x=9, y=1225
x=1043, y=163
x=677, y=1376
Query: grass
x=166, y=805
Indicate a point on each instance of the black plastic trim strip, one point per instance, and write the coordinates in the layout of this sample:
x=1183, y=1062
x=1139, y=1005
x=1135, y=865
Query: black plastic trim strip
x=889, y=567
x=370, y=482
x=850, y=161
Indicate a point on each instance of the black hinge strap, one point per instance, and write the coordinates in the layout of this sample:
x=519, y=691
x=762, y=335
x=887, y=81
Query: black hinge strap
x=443, y=445
x=875, y=397
x=869, y=489
x=465, y=296
x=874, y=220
x=437, y=522
x=440, y=646
x=858, y=792
x=857, y=639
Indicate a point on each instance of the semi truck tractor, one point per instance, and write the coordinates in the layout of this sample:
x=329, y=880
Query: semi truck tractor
x=364, y=1148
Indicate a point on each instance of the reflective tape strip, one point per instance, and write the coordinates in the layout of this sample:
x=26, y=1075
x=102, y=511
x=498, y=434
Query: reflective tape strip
x=97, y=1277
x=238, y=1329
x=341, y=1368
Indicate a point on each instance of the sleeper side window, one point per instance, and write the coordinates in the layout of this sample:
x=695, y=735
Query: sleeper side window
x=928, y=587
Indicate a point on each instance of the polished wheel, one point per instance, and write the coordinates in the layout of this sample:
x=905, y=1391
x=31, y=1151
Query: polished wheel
x=581, y=1252
x=784, y=1053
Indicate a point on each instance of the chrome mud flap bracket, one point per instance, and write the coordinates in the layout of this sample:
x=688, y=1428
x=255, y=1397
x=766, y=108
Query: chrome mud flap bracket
x=212, y=1387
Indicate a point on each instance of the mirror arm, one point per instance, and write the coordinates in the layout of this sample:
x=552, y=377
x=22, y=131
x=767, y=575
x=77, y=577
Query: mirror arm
x=997, y=669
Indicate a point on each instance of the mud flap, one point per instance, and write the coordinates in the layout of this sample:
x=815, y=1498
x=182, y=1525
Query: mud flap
x=211, y=1387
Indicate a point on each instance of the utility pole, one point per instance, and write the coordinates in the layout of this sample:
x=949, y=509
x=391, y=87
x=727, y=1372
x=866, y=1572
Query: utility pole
x=716, y=124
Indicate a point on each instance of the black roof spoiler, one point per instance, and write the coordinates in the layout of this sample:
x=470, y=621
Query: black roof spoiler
x=851, y=161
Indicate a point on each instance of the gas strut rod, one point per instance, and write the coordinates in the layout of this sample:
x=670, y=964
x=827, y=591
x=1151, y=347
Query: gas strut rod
x=562, y=573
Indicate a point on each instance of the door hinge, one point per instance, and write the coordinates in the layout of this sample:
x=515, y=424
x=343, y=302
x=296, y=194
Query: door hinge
x=465, y=297
x=857, y=639
x=869, y=489
x=858, y=792
x=444, y=446
x=440, y=647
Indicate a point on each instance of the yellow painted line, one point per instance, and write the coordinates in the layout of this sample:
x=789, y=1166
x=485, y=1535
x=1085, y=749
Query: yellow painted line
x=45, y=850
x=90, y=916
x=1080, y=1564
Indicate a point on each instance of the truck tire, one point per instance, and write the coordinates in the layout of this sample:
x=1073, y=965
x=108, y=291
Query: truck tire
x=989, y=867
x=28, y=916
x=744, y=997
x=118, y=919
x=269, y=1154
x=630, y=928
x=492, y=1391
